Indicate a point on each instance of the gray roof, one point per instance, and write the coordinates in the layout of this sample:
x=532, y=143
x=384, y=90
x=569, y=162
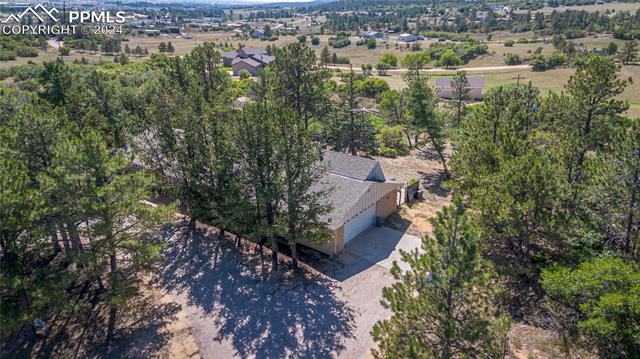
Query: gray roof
x=344, y=193
x=248, y=61
x=474, y=82
x=342, y=164
x=254, y=50
x=229, y=54
x=265, y=59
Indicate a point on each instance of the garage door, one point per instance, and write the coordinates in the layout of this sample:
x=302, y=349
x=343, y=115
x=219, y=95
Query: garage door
x=359, y=223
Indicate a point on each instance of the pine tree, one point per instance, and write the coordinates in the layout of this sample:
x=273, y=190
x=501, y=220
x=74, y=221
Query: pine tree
x=325, y=57
x=122, y=226
x=299, y=83
x=442, y=305
x=629, y=52
x=421, y=101
x=304, y=197
x=460, y=96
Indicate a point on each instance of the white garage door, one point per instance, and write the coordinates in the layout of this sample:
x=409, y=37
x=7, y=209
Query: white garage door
x=359, y=223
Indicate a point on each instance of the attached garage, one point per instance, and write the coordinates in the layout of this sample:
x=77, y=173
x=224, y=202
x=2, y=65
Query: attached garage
x=359, y=223
x=359, y=195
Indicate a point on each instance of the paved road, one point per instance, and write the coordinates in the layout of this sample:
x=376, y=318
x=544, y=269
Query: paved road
x=441, y=70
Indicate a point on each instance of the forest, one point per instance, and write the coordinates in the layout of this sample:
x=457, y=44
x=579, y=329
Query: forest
x=544, y=227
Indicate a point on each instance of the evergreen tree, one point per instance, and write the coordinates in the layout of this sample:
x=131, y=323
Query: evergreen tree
x=421, y=101
x=629, y=52
x=304, y=197
x=299, y=83
x=442, y=305
x=460, y=96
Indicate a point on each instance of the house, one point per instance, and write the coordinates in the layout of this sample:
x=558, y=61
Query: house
x=407, y=38
x=360, y=196
x=372, y=35
x=251, y=59
x=227, y=58
x=444, y=90
x=257, y=34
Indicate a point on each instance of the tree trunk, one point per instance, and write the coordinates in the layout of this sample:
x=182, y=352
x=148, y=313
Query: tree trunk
x=54, y=238
x=221, y=233
x=294, y=255
x=274, y=253
x=65, y=240
x=632, y=206
x=113, y=311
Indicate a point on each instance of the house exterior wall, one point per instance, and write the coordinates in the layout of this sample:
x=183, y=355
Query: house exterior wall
x=332, y=248
x=227, y=61
x=447, y=92
x=244, y=66
x=386, y=205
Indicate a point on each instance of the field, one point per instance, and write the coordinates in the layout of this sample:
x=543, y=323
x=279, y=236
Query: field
x=552, y=80
x=591, y=8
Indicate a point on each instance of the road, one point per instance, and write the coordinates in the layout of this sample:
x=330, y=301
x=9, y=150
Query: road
x=441, y=70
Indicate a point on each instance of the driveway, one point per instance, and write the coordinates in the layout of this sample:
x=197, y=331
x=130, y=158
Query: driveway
x=235, y=307
x=362, y=271
x=381, y=245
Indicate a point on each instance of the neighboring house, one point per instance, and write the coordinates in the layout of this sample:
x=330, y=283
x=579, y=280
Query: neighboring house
x=408, y=38
x=257, y=34
x=444, y=90
x=227, y=58
x=372, y=35
x=360, y=195
x=251, y=59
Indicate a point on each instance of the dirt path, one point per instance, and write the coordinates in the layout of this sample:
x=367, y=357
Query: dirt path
x=452, y=69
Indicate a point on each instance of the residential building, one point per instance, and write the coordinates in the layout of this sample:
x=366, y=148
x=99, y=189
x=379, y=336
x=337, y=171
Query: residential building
x=444, y=90
x=372, y=35
x=251, y=59
x=360, y=197
x=408, y=38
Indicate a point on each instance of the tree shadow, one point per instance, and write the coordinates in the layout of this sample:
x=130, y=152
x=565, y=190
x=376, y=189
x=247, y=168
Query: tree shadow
x=139, y=333
x=262, y=314
x=432, y=183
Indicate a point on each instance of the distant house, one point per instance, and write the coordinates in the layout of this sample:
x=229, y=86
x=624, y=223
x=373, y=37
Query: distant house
x=251, y=59
x=360, y=196
x=407, y=38
x=257, y=34
x=444, y=90
x=372, y=35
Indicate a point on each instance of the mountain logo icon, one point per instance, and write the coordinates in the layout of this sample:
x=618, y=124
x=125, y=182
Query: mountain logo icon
x=39, y=11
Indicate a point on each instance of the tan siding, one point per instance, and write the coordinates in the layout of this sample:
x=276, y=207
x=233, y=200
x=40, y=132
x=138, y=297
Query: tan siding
x=331, y=248
x=386, y=205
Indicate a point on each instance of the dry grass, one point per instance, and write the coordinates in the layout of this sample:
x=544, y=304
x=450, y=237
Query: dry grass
x=592, y=8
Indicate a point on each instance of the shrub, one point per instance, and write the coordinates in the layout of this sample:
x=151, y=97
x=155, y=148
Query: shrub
x=371, y=86
x=392, y=137
x=342, y=60
x=7, y=55
x=315, y=40
x=244, y=74
x=371, y=44
x=302, y=39
x=339, y=42
x=512, y=59
x=466, y=51
x=382, y=68
x=390, y=59
x=388, y=152
x=509, y=43
x=26, y=51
